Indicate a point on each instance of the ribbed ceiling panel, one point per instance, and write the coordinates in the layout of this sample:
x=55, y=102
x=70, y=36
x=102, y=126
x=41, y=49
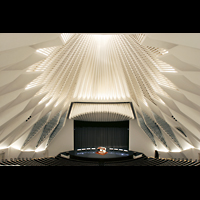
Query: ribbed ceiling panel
x=101, y=112
x=44, y=73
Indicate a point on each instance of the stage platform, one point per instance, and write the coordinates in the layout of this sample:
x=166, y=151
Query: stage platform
x=90, y=155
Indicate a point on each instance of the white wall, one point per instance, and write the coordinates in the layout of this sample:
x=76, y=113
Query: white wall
x=138, y=140
x=189, y=153
x=64, y=140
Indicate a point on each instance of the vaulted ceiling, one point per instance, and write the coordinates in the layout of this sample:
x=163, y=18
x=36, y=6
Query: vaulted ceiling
x=41, y=74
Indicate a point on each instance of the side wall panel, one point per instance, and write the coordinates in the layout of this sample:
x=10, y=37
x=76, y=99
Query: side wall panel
x=64, y=140
x=138, y=140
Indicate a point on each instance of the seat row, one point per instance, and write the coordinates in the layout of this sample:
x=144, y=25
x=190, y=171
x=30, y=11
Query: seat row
x=150, y=161
x=60, y=161
x=50, y=161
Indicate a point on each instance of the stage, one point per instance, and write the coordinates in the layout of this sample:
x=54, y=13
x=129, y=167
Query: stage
x=91, y=155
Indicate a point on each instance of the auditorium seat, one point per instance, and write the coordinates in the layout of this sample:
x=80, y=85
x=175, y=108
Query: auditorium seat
x=150, y=161
x=60, y=161
x=129, y=162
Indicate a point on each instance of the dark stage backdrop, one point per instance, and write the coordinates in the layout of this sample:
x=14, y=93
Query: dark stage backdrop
x=106, y=134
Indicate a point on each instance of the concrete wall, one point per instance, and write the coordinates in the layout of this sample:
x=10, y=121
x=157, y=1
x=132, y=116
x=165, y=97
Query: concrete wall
x=138, y=140
x=64, y=141
x=189, y=153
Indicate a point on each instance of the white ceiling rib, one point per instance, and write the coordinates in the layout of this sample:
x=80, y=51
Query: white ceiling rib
x=42, y=73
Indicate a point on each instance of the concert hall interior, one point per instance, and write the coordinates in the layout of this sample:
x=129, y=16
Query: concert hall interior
x=99, y=96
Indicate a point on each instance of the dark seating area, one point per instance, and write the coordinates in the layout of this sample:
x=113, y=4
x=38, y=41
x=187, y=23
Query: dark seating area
x=50, y=161
x=60, y=161
x=150, y=161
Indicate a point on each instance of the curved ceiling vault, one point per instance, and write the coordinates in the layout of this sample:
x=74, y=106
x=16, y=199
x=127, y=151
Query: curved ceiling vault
x=41, y=74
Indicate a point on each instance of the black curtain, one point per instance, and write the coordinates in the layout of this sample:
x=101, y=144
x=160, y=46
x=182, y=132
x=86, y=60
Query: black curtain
x=95, y=134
